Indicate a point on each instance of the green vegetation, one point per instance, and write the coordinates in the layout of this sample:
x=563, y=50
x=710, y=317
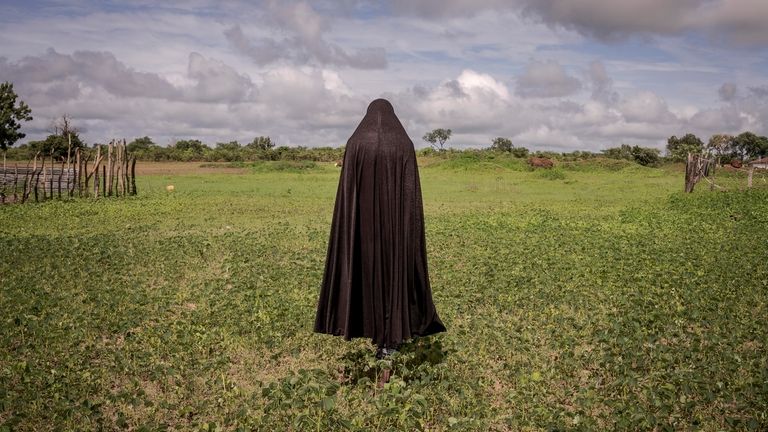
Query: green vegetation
x=502, y=144
x=57, y=144
x=745, y=146
x=267, y=166
x=64, y=140
x=11, y=116
x=641, y=155
x=437, y=138
x=595, y=297
x=260, y=149
x=678, y=148
x=749, y=146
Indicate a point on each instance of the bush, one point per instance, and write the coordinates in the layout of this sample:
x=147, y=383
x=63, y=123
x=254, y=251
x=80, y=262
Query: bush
x=520, y=152
x=645, y=156
x=598, y=163
x=552, y=174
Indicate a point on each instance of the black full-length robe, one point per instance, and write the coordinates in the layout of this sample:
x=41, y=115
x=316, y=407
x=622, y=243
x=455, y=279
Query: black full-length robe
x=376, y=283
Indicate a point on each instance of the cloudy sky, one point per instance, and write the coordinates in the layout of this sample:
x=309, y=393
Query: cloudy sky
x=549, y=74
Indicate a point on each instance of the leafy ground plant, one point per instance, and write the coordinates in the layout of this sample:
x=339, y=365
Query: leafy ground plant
x=609, y=301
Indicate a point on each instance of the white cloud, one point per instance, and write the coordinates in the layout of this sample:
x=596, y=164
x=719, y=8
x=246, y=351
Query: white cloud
x=333, y=83
x=645, y=106
x=623, y=132
x=213, y=101
x=96, y=68
x=53, y=77
x=298, y=71
x=546, y=79
x=585, y=115
x=608, y=20
x=472, y=102
x=304, y=40
x=217, y=82
x=739, y=22
x=446, y=8
x=748, y=112
x=717, y=119
x=602, y=84
x=727, y=91
x=543, y=136
x=481, y=85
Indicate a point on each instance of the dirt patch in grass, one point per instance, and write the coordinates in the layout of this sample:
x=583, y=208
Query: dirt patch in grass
x=180, y=168
x=249, y=366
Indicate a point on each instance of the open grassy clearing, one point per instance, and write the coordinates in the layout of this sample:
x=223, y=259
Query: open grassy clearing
x=583, y=298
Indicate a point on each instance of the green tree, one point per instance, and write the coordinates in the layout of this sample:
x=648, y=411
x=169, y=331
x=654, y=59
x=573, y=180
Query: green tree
x=642, y=155
x=141, y=144
x=192, y=146
x=187, y=150
x=622, y=152
x=678, y=148
x=750, y=146
x=437, y=138
x=645, y=156
x=228, y=146
x=11, y=116
x=57, y=144
x=226, y=151
x=719, y=145
x=502, y=144
x=261, y=143
x=520, y=152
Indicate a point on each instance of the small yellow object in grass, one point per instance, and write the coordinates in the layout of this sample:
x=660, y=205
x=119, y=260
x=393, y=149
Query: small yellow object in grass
x=170, y=188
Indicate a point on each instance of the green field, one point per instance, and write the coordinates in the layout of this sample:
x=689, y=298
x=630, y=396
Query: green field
x=594, y=296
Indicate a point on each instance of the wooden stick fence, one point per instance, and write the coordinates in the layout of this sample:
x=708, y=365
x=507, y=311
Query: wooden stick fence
x=72, y=177
x=696, y=167
x=699, y=167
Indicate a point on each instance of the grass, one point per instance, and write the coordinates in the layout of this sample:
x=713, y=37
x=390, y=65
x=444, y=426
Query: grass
x=584, y=298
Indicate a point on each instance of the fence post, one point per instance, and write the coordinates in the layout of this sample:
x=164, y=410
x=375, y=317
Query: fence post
x=78, y=184
x=109, y=169
x=126, y=186
x=37, y=180
x=61, y=173
x=118, y=170
x=15, y=182
x=32, y=178
x=26, y=185
x=69, y=156
x=50, y=186
x=133, y=176
x=86, y=178
x=96, y=172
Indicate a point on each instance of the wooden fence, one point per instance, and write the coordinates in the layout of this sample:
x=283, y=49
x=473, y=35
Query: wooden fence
x=111, y=173
x=699, y=167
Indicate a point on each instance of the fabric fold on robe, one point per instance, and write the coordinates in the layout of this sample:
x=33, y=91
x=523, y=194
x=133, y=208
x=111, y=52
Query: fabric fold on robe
x=376, y=282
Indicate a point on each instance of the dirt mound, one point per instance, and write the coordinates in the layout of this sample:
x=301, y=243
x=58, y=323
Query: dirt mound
x=538, y=162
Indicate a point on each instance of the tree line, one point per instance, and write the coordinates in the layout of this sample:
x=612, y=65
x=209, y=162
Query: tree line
x=742, y=147
x=724, y=148
x=188, y=150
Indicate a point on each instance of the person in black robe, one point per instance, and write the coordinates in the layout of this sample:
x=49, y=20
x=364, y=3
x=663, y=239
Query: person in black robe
x=376, y=283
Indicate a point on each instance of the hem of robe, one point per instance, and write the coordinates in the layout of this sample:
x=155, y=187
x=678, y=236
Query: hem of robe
x=433, y=328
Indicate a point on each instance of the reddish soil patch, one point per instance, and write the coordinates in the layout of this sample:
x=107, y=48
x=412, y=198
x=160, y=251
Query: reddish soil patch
x=181, y=168
x=538, y=162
